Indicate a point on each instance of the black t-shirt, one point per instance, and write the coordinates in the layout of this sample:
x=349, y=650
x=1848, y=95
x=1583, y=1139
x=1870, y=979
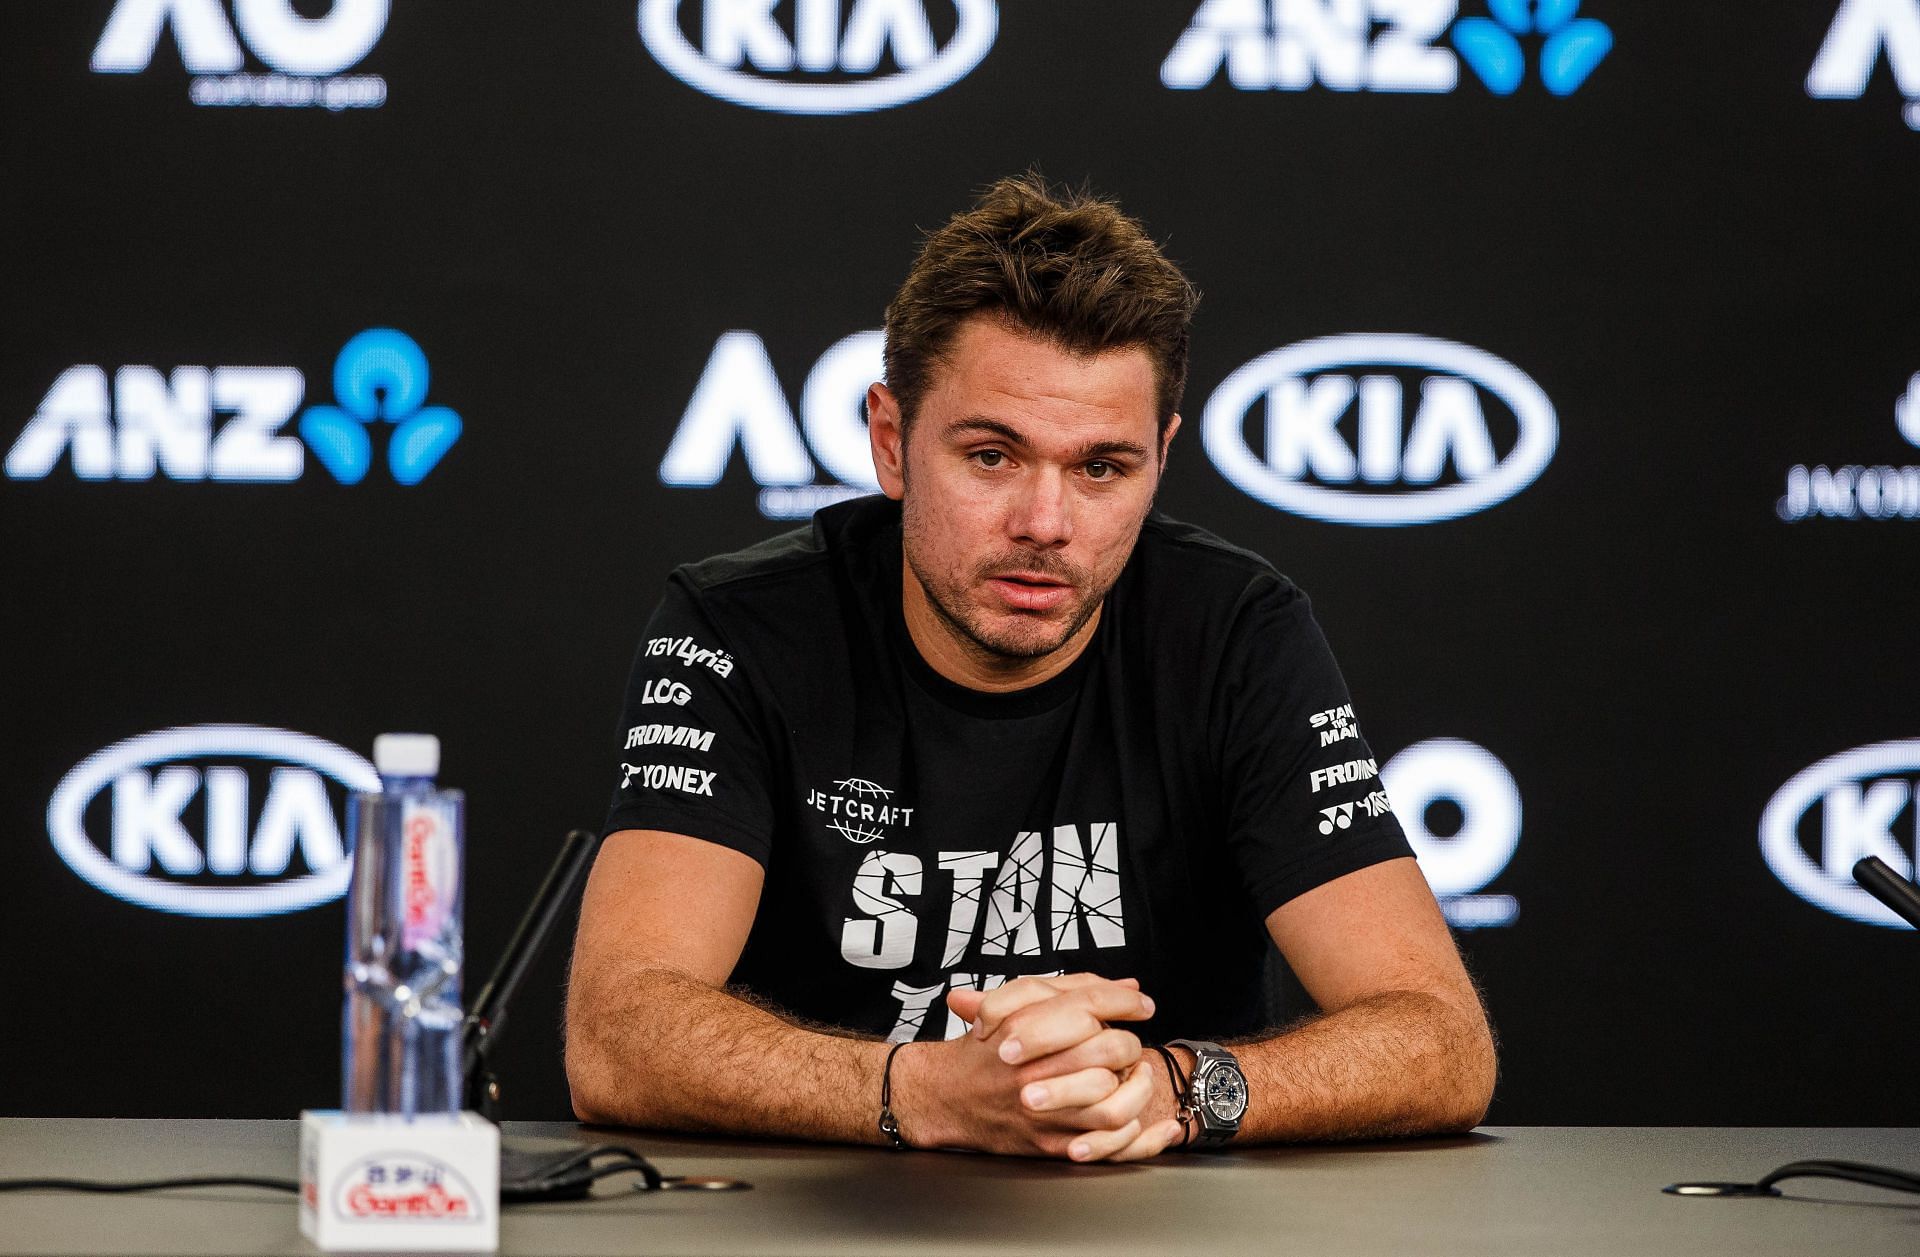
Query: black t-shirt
x=1138, y=815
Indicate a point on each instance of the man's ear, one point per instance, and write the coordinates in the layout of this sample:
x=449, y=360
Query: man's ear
x=888, y=440
x=1166, y=440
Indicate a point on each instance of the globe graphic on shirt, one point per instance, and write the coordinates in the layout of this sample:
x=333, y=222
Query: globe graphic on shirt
x=850, y=829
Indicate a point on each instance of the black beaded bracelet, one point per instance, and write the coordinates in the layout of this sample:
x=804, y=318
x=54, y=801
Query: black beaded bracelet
x=889, y=1124
x=1178, y=1078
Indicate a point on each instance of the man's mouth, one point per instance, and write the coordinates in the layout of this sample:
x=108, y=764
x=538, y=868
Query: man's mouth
x=1030, y=591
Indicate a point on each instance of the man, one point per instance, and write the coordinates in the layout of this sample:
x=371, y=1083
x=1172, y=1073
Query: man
x=1010, y=770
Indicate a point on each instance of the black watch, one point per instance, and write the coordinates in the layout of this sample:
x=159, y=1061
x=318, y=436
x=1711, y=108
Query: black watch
x=1216, y=1096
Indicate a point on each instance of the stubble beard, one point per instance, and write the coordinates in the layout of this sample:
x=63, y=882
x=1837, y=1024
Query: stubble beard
x=1029, y=636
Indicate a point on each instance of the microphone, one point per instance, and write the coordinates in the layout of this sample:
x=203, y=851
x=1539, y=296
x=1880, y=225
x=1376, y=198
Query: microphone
x=488, y=1013
x=1889, y=888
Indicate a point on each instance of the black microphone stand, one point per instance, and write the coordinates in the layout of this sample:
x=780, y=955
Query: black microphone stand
x=488, y=1014
x=1877, y=877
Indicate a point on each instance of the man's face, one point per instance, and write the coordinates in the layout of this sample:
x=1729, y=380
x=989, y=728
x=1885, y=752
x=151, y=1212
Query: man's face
x=1024, y=481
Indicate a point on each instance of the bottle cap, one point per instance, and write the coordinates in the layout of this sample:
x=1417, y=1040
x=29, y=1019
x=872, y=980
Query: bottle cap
x=406, y=754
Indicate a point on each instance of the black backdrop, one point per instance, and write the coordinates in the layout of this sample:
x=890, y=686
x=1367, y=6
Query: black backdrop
x=1708, y=271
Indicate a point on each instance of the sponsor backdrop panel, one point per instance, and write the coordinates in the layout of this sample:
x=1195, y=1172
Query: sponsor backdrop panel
x=369, y=369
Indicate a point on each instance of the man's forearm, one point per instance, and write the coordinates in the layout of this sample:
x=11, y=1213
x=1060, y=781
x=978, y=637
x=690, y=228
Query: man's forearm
x=1401, y=1063
x=673, y=1053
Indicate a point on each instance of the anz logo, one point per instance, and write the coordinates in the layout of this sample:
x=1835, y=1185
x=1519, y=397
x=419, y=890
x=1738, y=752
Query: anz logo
x=211, y=820
x=1379, y=429
x=1385, y=45
x=739, y=404
x=1839, y=811
x=819, y=56
x=228, y=423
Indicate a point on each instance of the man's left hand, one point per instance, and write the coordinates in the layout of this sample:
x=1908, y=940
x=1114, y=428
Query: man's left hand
x=1066, y=1055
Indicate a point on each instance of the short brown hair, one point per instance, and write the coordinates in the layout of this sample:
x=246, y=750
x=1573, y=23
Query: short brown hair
x=1063, y=265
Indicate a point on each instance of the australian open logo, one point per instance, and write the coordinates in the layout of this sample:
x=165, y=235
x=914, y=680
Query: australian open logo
x=404, y=1185
x=819, y=56
x=860, y=811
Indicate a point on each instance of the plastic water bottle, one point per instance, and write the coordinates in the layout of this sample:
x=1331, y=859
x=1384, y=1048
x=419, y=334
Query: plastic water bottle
x=401, y=1028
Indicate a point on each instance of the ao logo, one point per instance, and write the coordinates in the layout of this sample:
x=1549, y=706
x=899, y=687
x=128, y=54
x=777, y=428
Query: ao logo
x=161, y=424
x=273, y=29
x=1460, y=864
x=744, y=48
x=1862, y=798
x=1306, y=396
x=148, y=786
x=1861, y=31
x=739, y=401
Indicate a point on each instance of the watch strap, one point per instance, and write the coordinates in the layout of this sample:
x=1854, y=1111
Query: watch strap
x=1206, y=1130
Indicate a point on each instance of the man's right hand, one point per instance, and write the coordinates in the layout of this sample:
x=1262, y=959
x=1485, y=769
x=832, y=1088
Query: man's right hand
x=1043, y=1072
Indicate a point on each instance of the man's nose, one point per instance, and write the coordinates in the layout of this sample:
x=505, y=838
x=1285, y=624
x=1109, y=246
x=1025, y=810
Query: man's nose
x=1043, y=511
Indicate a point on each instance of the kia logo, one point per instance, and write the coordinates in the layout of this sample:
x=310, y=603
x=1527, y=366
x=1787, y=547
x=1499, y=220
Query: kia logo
x=1861, y=797
x=742, y=48
x=207, y=776
x=1391, y=470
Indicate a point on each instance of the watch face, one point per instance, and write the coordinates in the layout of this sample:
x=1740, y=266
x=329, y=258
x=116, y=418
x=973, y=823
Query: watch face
x=1226, y=1095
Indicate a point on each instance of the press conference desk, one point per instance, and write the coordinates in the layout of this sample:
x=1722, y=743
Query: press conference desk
x=1539, y=1191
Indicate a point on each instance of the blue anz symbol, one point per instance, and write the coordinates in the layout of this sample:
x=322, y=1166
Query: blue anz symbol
x=1572, y=48
x=381, y=375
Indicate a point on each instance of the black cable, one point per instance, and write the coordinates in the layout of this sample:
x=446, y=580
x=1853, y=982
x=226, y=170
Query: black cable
x=568, y=1177
x=1846, y=1171
x=144, y=1185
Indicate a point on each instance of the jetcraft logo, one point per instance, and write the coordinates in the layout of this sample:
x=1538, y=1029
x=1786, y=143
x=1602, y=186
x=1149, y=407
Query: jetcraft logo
x=306, y=54
x=226, y=423
x=1461, y=813
x=1854, y=491
x=1833, y=815
x=1385, y=45
x=1379, y=429
x=1862, y=30
x=739, y=403
x=207, y=820
x=808, y=57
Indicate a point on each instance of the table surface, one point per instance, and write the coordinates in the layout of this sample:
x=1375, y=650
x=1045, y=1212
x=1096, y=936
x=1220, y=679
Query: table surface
x=1523, y=1190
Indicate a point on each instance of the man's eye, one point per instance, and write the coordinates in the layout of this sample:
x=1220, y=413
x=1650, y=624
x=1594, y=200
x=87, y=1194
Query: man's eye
x=1099, y=469
x=990, y=458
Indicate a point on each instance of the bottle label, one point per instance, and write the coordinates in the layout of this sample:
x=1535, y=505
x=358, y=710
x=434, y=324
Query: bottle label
x=430, y=868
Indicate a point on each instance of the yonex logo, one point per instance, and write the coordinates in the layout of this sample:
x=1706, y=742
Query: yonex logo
x=1830, y=816
x=806, y=59
x=668, y=777
x=381, y=375
x=1437, y=429
x=1384, y=45
x=228, y=423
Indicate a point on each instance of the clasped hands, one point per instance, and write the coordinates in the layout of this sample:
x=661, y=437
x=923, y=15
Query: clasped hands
x=1043, y=1071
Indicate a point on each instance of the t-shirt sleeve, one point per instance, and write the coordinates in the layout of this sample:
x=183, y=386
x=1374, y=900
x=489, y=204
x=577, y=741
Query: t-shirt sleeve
x=1304, y=804
x=689, y=756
